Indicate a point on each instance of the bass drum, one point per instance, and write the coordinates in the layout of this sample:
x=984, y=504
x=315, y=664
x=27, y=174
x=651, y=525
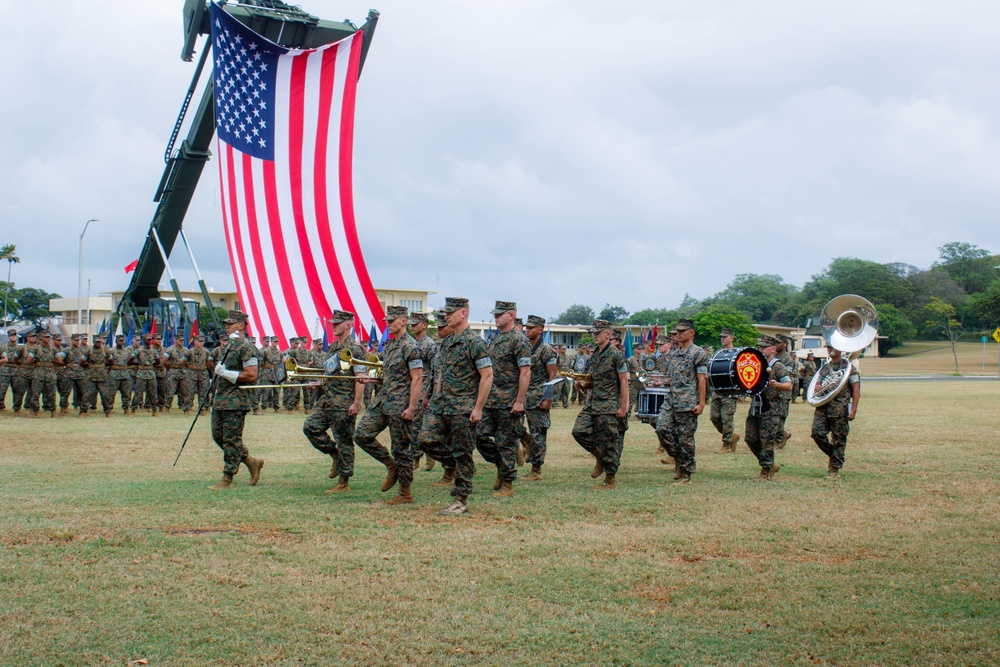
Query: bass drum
x=650, y=402
x=741, y=371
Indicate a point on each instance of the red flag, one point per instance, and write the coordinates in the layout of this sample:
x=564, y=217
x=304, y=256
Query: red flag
x=656, y=332
x=194, y=329
x=285, y=136
x=131, y=267
x=152, y=329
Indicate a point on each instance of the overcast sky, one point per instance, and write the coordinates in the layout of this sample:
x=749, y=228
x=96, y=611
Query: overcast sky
x=545, y=152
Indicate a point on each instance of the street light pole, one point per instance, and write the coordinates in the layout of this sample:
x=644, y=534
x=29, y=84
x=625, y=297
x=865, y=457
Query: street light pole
x=79, y=295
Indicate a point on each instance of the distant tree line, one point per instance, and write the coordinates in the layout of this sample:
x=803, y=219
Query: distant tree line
x=959, y=295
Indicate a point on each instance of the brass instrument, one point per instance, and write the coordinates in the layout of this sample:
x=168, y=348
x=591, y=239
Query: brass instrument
x=586, y=380
x=295, y=372
x=347, y=360
x=849, y=323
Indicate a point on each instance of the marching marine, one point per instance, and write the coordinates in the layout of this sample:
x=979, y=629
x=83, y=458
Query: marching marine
x=722, y=409
x=764, y=421
x=97, y=378
x=686, y=371
x=538, y=400
x=119, y=378
x=835, y=417
x=199, y=365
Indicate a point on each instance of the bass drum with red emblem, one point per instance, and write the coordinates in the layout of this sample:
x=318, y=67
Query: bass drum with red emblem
x=741, y=371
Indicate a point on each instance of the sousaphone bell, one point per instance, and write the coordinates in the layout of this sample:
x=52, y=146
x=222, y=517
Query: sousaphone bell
x=849, y=323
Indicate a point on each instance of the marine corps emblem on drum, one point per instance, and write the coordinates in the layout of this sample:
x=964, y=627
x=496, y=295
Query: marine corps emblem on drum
x=748, y=369
x=649, y=364
x=740, y=371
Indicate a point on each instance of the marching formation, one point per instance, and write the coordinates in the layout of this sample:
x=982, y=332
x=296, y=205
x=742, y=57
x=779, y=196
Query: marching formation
x=442, y=399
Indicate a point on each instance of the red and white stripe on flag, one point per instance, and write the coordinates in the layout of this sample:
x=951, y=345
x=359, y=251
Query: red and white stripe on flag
x=289, y=223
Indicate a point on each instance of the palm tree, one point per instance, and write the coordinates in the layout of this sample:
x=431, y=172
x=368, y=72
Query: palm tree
x=8, y=252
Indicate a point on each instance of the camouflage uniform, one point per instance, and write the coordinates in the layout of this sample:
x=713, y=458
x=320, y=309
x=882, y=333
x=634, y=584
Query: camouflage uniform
x=315, y=358
x=497, y=432
x=786, y=396
x=832, y=417
x=580, y=361
x=199, y=362
x=177, y=382
x=542, y=358
x=331, y=412
x=428, y=348
x=270, y=359
x=63, y=386
x=119, y=377
x=231, y=404
x=764, y=422
x=402, y=355
x=597, y=428
x=74, y=361
x=634, y=385
x=22, y=378
x=676, y=423
x=8, y=370
x=160, y=371
x=145, y=378
x=806, y=374
x=43, y=381
x=722, y=412
x=97, y=379
x=446, y=433
x=564, y=388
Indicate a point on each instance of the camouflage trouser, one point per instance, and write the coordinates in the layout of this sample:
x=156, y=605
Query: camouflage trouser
x=308, y=398
x=198, y=384
x=722, y=413
x=496, y=440
x=341, y=446
x=451, y=439
x=369, y=394
x=374, y=422
x=268, y=397
x=161, y=388
x=145, y=387
x=227, y=431
x=763, y=433
x=21, y=385
x=6, y=381
x=831, y=418
x=44, y=385
x=121, y=386
x=81, y=392
x=176, y=386
x=675, y=429
x=64, y=388
x=634, y=387
x=291, y=397
x=603, y=436
x=795, y=388
x=563, y=391
x=416, y=451
x=538, y=426
x=103, y=389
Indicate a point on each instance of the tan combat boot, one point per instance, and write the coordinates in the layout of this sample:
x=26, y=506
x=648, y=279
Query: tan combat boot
x=343, y=486
x=784, y=440
x=403, y=498
x=333, y=469
x=187, y=413
x=772, y=471
x=535, y=474
x=391, y=475
x=598, y=467
x=224, y=483
x=683, y=480
x=736, y=439
x=498, y=482
x=56, y=415
x=608, y=484
x=254, y=465
x=763, y=475
x=677, y=471
x=831, y=470
x=506, y=490
x=429, y=465
x=448, y=479
x=64, y=411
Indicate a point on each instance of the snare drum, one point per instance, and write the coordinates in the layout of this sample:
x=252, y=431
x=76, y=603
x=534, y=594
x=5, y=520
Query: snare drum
x=741, y=371
x=650, y=402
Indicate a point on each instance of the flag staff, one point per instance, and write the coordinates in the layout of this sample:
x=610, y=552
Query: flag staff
x=79, y=295
x=173, y=282
x=201, y=282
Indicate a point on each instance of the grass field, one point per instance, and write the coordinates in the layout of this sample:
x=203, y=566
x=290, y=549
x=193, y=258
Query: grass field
x=934, y=358
x=109, y=555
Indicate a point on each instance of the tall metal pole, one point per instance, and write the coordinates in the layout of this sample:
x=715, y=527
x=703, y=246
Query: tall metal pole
x=79, y=294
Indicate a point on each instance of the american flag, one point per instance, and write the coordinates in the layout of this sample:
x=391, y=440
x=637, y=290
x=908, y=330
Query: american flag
x=285, y=134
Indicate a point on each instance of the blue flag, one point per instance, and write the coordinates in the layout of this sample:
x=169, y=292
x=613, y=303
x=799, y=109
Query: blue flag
x=326, y=339
x=104, y=324
x=111, y=337
x=384, y=339
x=547, y=338
x=168, y=337
x=372, y=335
x=131, y=331
x=629, y=351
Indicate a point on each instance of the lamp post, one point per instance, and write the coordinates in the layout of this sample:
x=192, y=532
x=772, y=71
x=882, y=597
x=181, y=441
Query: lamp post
x=79, y=296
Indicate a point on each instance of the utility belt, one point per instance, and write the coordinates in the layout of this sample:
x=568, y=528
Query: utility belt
x=267, y=367
x=43, y=364
x=119, y=368
x=143, y=367
x=196, y=368
x=175, y=366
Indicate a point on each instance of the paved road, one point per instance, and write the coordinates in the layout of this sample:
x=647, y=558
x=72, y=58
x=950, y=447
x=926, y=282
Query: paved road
x=959, y=378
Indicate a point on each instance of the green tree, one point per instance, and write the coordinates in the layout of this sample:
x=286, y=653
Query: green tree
x=576, y=314
x=613, y=314
x=941, y=317
x=985, y=306
x=8, y=253
x=968, y=264
x=651, y=316
x=759, y=296
x=873, y=281
x=205, y=315
x=34, y=304
x=710, y=321
x=894, y=324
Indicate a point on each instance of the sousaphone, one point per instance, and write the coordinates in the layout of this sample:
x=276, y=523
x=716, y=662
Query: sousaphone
x=849, y=323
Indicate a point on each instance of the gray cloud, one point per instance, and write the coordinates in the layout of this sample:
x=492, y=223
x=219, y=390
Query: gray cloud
x=551, y=152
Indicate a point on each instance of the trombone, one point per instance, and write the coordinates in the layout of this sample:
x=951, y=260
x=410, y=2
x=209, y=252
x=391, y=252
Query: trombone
x=586, y=380
x=348, y=360
x=295, y=372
